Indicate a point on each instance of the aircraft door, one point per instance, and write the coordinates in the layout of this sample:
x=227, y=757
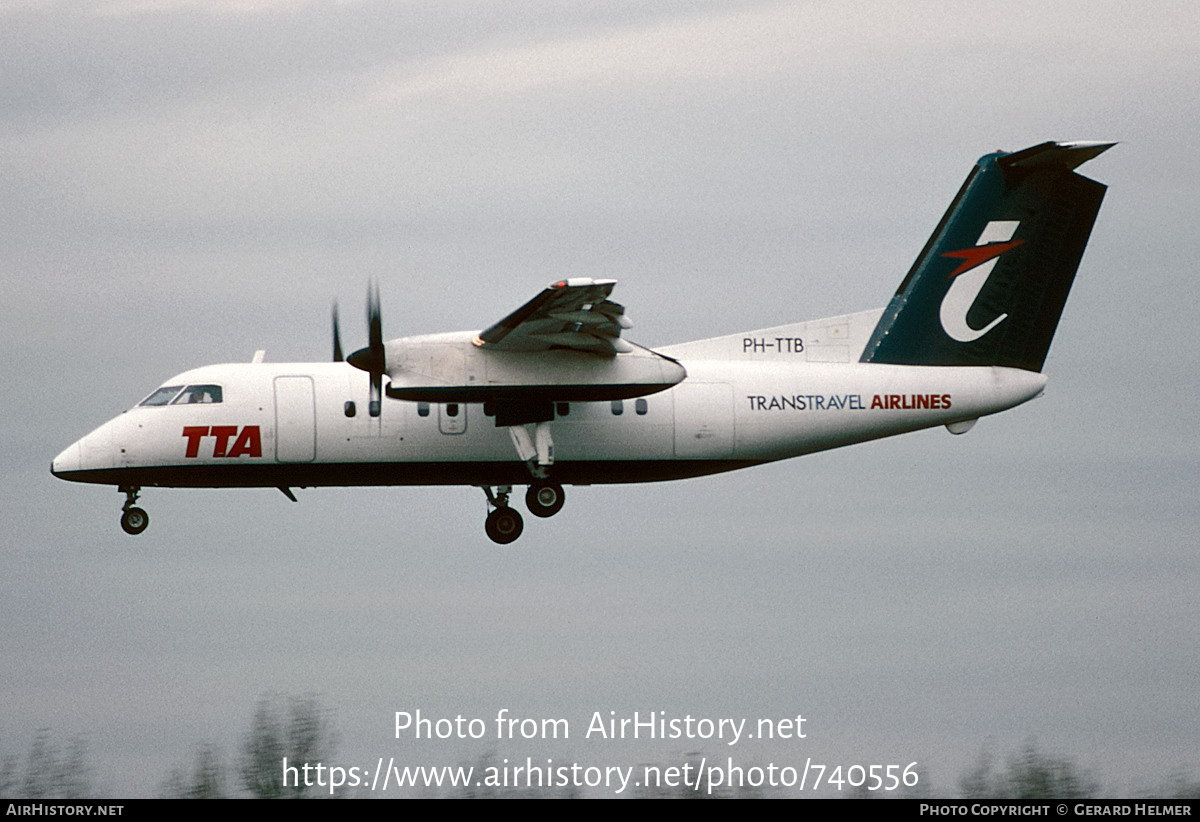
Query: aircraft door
x=295, y=420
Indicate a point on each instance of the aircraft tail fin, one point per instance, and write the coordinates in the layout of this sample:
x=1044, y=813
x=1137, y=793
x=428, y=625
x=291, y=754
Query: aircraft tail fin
x=990, y=284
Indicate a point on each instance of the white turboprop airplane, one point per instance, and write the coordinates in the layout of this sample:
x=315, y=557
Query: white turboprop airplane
x=553, y=394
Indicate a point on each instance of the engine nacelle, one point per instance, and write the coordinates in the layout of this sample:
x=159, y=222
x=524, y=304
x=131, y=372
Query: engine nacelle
x=451, y=368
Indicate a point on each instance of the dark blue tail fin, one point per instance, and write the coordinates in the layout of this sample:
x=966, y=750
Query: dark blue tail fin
x=990, y=285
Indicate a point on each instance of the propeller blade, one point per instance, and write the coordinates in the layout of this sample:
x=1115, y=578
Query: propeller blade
x=373, y=358
x=337, y=336
x=375, y=324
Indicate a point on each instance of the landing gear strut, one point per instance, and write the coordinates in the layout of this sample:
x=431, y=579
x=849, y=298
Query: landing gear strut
x=535, y=447
x=504, y=523
x=133, y=519
x=544, y=499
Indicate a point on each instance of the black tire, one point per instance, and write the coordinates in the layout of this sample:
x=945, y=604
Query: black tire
x=544, y=499
x=134, y=521
x=504, y=525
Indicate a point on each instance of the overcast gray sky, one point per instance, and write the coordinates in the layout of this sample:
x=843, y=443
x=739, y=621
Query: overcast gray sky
x=186, y=182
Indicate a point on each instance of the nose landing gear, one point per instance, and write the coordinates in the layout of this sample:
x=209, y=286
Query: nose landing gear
x=133, y=519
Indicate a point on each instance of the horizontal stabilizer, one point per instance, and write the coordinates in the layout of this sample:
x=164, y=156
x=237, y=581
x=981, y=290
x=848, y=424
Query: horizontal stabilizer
x=1068, y=156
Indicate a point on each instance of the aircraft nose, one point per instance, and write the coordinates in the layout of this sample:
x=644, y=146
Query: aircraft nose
x=69, y=460
x=95, y=451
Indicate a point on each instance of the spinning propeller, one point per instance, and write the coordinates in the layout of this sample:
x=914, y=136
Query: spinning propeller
x=337, y=337
x=371, y=359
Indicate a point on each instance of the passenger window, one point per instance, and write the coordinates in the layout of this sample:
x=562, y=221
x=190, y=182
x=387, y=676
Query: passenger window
x=207, y=394
x=163, y=395
x=618, y=408
x=422, y=409
x=349, y=408
x=641, y=406
x=564, y=408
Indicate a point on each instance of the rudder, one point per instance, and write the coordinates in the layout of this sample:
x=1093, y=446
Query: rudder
x=989, y=286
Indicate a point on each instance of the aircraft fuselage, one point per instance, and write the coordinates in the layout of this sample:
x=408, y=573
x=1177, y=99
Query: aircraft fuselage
x=305, y=424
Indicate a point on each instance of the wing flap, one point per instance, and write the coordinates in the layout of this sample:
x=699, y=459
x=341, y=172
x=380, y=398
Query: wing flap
x=574, y=314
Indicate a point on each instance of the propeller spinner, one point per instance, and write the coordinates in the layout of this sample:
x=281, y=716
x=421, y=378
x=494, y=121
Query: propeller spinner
x=371, y=359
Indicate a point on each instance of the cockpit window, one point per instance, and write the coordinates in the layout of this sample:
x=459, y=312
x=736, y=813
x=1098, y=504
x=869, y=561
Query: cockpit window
x=162, y=396
x=199, y=393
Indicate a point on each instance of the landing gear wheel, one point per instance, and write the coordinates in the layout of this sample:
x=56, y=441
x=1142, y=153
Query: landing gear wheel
x=134, y=521
x=544, y=500
x=504, y=525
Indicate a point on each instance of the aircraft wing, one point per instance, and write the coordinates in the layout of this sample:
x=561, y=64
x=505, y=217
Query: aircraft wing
x=573, y=314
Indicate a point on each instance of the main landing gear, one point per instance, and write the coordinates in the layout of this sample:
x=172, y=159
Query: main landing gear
x=504, y=523
x=133, y=519
x=544, y=499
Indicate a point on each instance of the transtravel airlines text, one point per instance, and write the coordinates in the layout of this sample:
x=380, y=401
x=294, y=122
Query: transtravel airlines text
x=847, y=402
x=696, y=776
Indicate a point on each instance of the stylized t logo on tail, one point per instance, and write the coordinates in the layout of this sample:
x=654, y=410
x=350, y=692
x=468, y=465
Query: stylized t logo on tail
x=968, y=279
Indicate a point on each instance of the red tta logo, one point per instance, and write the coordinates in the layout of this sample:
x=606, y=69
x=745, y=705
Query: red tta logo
x=248, y=442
